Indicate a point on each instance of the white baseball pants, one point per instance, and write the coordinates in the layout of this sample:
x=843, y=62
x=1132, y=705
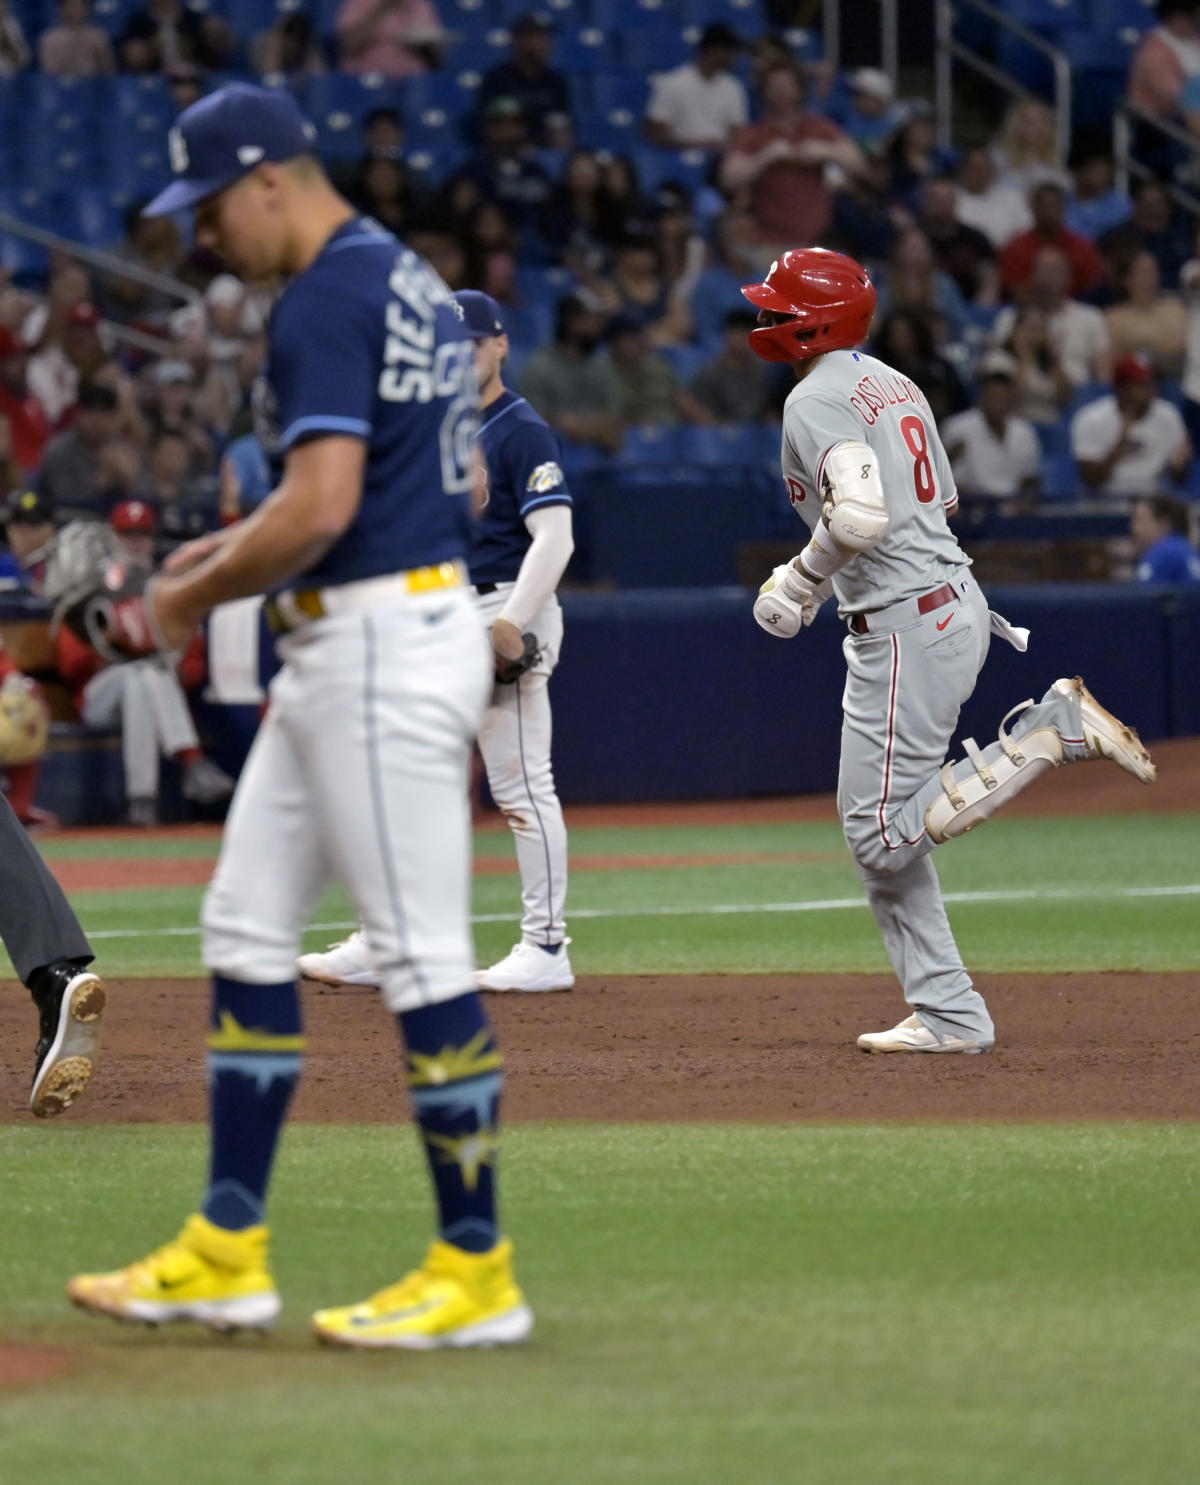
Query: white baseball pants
x=515, y=743
x=360, y=773
x=148, y=701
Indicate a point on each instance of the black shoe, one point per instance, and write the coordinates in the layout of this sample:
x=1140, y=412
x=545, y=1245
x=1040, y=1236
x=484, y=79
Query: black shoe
x=70, y=999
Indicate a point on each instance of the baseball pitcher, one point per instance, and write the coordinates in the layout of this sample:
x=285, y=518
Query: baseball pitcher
x=865, y=470
x=359, y=771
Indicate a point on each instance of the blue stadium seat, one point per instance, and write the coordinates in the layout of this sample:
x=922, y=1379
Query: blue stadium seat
x=91, y=215
x=477, y=50
x=690, y=168
x=567, y=14
x=446, y=93
x=654, y=45
x=544, y=285
x=1060, y=477
x=530, y=324
x=112, y=15
x=338, y=102
x=585, y=52
x=473, y=15
x=1100, y=68
x=1110, y=16
x=617, y=16
x=137, y=167
x=730, y=444
x=26, y=262
x=746, y=17
x=650, y=445
x=614, y=119
x=621, y=89
x=1055, y=438
x=1050, y=18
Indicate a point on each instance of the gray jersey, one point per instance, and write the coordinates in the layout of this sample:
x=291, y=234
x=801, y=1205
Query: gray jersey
x=849, y=395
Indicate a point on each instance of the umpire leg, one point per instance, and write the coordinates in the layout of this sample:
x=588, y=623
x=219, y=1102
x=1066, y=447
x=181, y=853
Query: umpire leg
x=36, y=920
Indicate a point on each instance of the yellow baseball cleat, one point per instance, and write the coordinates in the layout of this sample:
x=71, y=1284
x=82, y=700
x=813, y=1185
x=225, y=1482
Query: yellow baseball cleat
x=453, y=1299
x=208, y=1274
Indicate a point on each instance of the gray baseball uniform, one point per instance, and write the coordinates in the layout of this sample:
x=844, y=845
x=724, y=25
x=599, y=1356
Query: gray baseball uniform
x=925, y=631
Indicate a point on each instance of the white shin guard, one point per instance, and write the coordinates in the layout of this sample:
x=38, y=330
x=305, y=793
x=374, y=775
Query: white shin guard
x=967, y=802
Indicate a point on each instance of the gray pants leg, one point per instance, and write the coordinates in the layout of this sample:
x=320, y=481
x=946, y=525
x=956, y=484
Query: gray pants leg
x=903, y=695
x=36, y=920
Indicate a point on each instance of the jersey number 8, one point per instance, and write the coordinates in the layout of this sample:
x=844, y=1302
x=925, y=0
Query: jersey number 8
x=916, y=437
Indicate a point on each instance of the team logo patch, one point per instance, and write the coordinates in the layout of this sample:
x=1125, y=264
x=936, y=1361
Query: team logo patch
x=544, y=477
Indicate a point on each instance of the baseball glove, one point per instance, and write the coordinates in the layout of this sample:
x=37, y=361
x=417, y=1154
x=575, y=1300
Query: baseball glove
x=99, y=596
x=508, y=672
x=24, y=721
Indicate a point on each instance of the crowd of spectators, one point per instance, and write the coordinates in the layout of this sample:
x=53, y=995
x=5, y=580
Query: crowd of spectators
x=1011, y=281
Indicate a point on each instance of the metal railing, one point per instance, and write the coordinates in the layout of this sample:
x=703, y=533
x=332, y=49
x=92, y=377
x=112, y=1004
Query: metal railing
x=109, y=263
x=1129, y=168
x=950, y=50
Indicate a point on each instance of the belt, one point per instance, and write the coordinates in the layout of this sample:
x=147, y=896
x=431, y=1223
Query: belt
x=483, y=589
x=927, y=602
x=295, y=607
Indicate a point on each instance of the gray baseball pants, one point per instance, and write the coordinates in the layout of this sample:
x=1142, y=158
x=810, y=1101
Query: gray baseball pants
x=907, y=679
x=36, y=920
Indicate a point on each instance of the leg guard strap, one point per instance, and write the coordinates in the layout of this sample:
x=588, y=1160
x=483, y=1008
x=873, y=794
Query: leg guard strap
x=992, y=781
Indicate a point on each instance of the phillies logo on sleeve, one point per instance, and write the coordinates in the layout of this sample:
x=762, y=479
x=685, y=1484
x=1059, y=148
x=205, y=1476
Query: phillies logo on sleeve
x=797, y=494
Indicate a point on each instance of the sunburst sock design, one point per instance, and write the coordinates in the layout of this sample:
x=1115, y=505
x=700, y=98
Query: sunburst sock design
x=255, y=1052
x=455, y=1074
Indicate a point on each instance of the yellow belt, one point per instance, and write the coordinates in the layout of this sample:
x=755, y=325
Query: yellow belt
x=296, y=606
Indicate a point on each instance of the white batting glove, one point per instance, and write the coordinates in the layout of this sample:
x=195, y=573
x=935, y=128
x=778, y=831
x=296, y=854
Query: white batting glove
x=788, y=601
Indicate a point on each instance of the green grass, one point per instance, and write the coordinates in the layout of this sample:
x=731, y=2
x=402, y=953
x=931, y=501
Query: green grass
x=819, y=1305
x=1072, y=877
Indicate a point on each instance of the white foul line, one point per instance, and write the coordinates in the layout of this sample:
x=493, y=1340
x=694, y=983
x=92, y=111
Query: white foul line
x=820, y=905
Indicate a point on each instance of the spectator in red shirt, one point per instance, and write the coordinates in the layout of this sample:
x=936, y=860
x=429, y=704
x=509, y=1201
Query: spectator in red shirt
x=778, y=165
x=28, y=424
x=1048, y=202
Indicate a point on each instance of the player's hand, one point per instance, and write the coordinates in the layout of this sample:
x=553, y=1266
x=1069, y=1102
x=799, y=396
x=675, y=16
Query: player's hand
x=175, y=621
x=508, y=643
x=777, y=611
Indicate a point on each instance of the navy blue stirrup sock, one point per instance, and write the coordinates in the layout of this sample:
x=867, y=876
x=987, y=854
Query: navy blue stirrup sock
x=454, y=1072
x=255, y=1051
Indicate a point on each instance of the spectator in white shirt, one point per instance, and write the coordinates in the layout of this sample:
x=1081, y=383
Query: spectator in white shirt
x=1000, y=212
x=993, y=452
x=699, y=105
x=1078, y=332
x=1128, y=442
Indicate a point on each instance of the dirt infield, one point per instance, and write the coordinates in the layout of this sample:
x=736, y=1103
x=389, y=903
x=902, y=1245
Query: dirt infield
x=723, y=1047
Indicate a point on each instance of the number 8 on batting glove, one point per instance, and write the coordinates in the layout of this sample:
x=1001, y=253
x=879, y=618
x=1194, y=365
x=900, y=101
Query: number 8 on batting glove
x=788, y=601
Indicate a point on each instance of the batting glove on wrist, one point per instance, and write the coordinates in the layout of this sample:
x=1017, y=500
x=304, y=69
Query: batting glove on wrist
x=787, y=602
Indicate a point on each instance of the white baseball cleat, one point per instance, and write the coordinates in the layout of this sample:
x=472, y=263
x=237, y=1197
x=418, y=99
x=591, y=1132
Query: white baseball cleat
x=346, y=963
x=912, y=1035
x=527, y=967
x=1105, y=736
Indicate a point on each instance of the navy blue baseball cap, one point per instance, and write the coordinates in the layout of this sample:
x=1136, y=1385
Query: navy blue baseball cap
x=480, y=314
x=224, y=136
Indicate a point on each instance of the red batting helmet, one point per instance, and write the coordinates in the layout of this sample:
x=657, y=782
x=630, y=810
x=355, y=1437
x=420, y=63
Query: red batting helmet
x=829, y=300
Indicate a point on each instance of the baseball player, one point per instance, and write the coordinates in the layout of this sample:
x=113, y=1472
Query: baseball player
x=360, y=768
x=519, y=552
x=866, y=472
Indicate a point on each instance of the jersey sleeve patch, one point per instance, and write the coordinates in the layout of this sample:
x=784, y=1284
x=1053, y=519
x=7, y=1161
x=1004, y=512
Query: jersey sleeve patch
x=545, y=477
